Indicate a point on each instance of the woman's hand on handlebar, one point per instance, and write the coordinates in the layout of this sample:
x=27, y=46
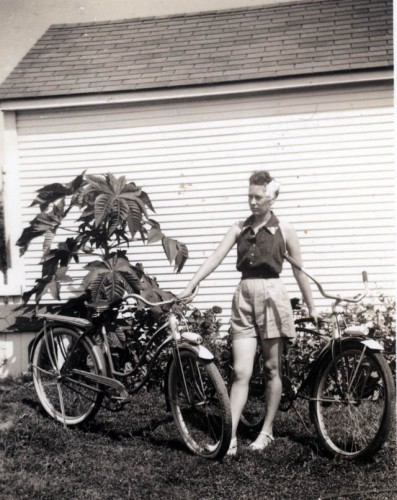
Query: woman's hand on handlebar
x=187, y=294
x=314, y=315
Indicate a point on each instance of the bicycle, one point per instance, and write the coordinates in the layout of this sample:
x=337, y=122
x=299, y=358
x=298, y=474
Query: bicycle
x=73, y=375
x=349, y=386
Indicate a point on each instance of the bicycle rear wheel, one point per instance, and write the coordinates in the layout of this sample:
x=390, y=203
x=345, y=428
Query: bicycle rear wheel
x=200, y=405
x=352, y=402
x=65, y=395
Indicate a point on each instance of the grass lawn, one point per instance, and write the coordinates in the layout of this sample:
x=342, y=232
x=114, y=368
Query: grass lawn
x=137, y=454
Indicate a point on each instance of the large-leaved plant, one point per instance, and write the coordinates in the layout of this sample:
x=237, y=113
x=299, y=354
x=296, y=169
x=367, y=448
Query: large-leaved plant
x=102, y=215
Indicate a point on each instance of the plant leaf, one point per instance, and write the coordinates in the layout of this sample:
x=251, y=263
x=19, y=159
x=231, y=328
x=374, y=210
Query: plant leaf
x=134, y=220
x=181, y=257
x=103, y=206
x=97, y=287
x=76, y=183
x=170, y=248
x=133, y=197
x=48, y=237
x=113, y=288
x=119, y=184
x=108, y=279
x=38, y=226
x=146, y=200
x=62, y=276
x=98, y=183
x=119, y=214
x=132, y=187
x=131, y=279
x=48, y=194
x=155, y=234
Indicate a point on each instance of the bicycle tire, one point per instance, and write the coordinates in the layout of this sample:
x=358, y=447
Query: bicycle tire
x=352, y=401
x=200, y=405
x=55, y=386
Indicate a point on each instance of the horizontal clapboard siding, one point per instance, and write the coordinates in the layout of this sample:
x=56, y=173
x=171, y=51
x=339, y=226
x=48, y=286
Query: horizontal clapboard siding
x=331, y=149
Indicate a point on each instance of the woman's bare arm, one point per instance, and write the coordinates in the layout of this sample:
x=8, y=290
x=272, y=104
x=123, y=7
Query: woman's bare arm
x=293, y=249
x=213, y=260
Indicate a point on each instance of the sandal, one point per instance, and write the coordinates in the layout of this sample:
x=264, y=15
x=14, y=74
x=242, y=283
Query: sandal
x=232, y=448
x=260, y=447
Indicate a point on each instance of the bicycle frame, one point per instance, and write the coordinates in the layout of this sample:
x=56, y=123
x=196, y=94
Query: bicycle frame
x=77, y=364
x=175, y=339
x=335, y=344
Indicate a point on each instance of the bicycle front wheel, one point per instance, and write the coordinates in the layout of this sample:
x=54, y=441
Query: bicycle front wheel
x=200, y=405
x=352, y=401
x=66, y=395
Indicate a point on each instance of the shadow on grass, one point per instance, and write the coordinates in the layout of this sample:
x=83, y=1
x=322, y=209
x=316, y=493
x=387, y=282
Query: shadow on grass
x=145, y=432
x=104, y=428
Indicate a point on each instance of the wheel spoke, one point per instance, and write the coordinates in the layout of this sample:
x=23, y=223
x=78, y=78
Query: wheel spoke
x=351, y=402
x=200, y=405
x=68, y=397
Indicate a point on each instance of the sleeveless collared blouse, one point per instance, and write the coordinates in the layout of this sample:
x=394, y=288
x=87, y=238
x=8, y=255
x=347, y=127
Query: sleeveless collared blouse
x=260, y=255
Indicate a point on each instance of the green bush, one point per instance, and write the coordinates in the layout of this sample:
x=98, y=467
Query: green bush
x=135, y=326
x=377, y=320
x=380, y=320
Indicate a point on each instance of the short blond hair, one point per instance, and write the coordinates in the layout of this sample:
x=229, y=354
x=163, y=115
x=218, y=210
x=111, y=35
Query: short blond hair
x=263, y=178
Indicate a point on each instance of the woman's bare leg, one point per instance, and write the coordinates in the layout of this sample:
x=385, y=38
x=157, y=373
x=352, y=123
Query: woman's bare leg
x=243, y=361
x=271, y=351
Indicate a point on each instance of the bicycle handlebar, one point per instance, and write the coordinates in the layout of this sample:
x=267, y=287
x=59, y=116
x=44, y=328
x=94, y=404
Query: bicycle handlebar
x=162, y=303
x=321, y=289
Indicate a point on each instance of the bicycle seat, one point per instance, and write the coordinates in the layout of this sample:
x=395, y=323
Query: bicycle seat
x=99, y=306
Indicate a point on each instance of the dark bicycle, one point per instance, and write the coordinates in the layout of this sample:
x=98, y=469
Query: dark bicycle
x=349, y=386
x=73, y=367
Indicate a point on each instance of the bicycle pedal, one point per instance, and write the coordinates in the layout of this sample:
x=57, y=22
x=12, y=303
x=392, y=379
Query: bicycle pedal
x=122, y=399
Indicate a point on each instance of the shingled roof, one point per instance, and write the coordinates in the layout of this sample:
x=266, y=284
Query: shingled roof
x=284, y=40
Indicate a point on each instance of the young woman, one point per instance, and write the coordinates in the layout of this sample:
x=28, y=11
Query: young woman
x=261, y=309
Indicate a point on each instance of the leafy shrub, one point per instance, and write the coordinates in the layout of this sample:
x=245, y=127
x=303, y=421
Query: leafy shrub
x=378, y=320
x=132, y=339
x=208, y=325
x=111, y=212
x=140, y=324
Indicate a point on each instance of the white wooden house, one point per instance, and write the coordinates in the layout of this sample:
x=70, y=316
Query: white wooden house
x=187, y=107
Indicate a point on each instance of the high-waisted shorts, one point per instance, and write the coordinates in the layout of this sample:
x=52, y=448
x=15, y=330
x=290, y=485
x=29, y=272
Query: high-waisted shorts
x=261, y=308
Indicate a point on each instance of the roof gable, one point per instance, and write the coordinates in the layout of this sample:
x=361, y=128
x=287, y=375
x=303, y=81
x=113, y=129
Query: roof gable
x=301, y=38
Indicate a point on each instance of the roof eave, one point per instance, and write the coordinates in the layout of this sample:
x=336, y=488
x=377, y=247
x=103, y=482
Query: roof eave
x=197, y=91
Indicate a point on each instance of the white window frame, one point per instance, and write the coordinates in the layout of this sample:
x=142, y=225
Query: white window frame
x=9, y=184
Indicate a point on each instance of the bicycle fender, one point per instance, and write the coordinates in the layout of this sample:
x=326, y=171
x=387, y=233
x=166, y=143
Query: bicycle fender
x=201, y=351
x=35, y=341
x=372, y=344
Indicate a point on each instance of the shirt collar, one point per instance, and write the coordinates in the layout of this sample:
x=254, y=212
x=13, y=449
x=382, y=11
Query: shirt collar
x=271, y=225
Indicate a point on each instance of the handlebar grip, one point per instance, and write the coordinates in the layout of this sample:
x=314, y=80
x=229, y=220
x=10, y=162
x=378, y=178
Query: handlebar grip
x=365, y=276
